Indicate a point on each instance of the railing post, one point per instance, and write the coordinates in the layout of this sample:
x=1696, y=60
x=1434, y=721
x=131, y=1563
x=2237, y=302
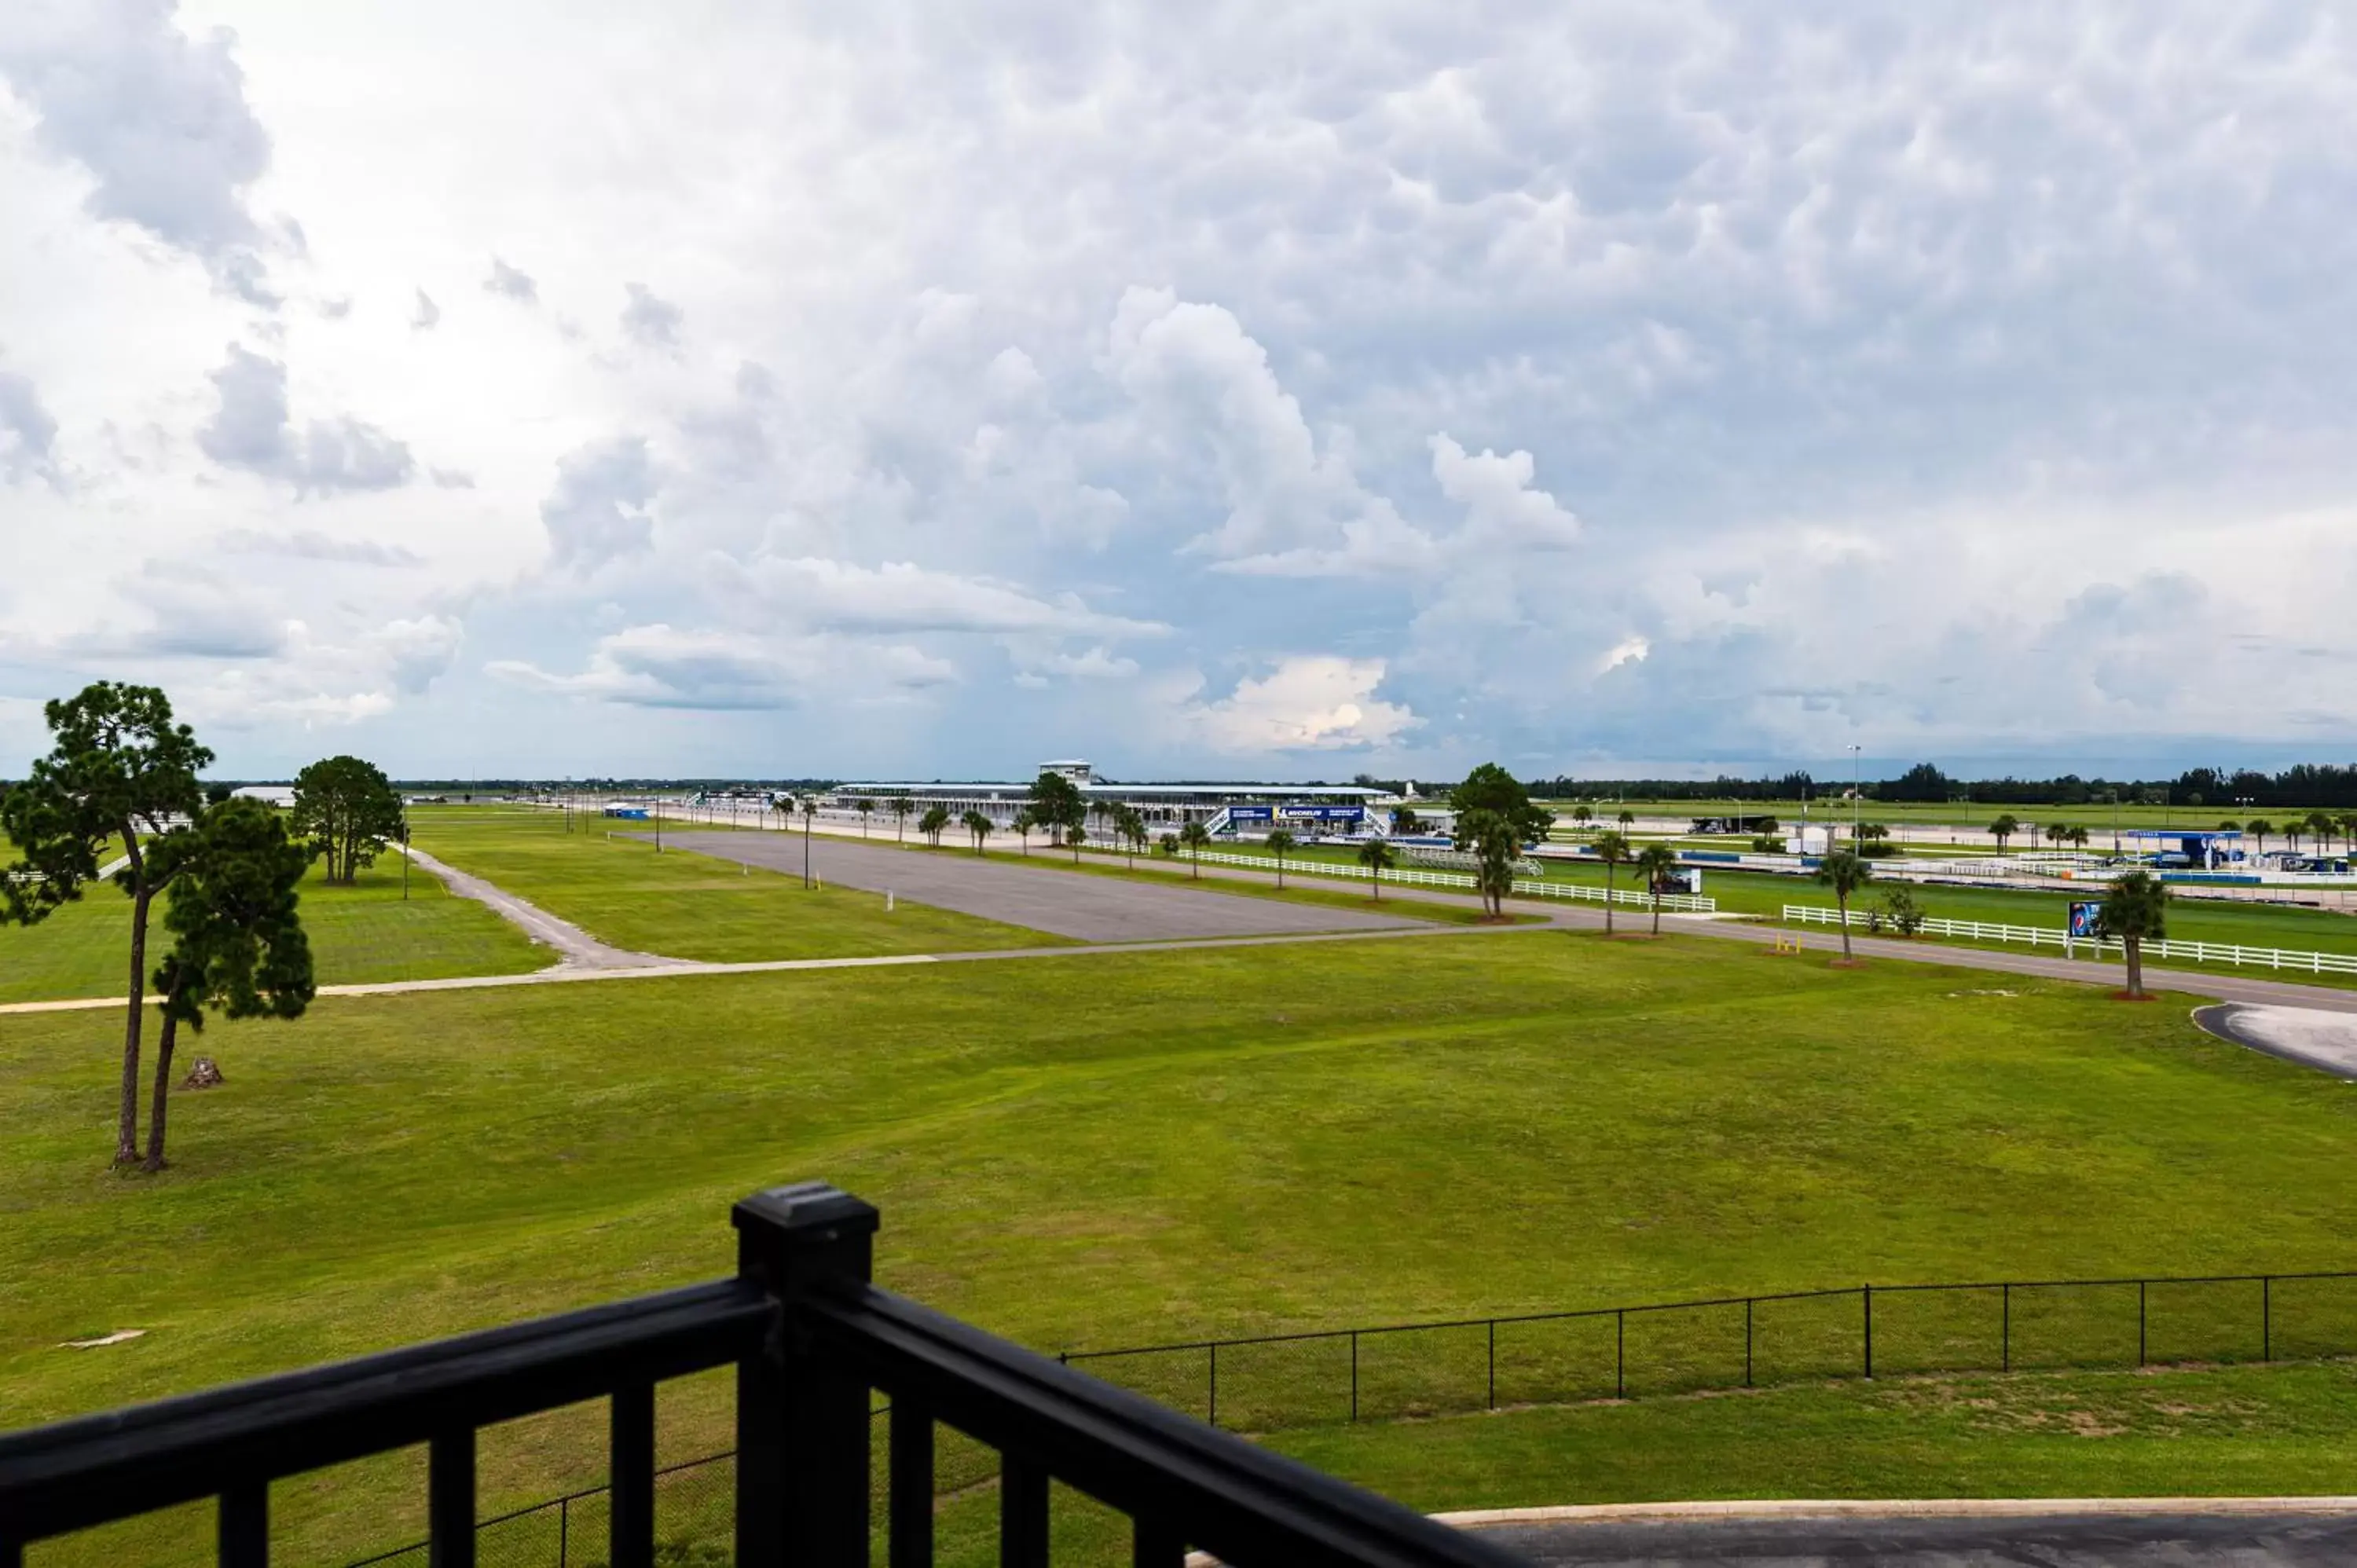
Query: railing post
x=1022, y=1513
x=910, y=1501
x=1150, y=1546
x=244, y=1525
x=450, y=1499
x=1867, y=1294
x=631, y=1465
x=802, y=1419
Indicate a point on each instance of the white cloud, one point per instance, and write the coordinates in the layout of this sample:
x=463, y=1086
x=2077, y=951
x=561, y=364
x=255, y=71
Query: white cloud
x=512, y=283
x=159, y=121
x=900, y=597
x=596, y=512
x=649, y=321
x=1307, y=703
x=28, y=433
x=1501, y=510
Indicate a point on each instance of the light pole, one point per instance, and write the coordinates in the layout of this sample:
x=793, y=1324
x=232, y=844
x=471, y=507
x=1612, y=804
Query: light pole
x=404, y=852
x=1852, y=795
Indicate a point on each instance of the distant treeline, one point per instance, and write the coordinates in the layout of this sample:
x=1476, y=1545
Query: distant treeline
x=2307, y=784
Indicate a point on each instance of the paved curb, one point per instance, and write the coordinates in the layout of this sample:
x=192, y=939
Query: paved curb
x=1915, y=1507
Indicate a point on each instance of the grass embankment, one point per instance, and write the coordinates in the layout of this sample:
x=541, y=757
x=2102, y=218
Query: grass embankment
x=1132, y=1148
x=359, y=934
x=617, y=888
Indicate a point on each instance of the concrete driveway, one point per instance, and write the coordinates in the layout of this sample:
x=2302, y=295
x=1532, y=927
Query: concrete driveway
x=1041, y=899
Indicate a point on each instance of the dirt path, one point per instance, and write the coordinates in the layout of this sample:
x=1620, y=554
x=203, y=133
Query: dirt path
x=576, y=948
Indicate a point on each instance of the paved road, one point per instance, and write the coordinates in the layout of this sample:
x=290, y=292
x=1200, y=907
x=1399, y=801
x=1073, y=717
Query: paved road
x=2074, y=1539
x=2326, y=1041
x=1038, y=898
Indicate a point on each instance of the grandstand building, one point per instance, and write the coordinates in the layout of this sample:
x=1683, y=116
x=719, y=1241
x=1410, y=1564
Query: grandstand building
x=1245, y=810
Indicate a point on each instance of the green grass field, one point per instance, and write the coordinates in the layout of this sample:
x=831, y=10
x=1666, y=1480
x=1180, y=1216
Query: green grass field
x=359, y=934
x=1133, y=1147
x=617, y=888
x=2094, y=816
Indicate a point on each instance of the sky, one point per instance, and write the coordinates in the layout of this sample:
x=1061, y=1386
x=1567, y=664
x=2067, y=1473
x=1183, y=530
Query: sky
x=1210, y=390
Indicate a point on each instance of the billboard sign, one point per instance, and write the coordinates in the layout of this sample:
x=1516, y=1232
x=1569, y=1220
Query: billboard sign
x=2086, y=916
x=1324, y=813
x=1250, y=813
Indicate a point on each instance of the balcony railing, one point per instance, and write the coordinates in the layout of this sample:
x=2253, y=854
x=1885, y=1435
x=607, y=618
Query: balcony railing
x=811, y=1340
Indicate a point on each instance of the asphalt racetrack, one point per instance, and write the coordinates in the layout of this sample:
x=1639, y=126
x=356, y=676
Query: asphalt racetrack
x=1040, y=897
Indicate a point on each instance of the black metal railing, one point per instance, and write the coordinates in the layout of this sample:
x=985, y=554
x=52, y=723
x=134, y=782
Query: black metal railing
x=1269, y=1382
x=812, y=1341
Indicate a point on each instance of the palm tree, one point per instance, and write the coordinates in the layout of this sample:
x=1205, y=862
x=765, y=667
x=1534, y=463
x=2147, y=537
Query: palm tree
x=2004, y=828
x=1378, y=857
x=863, y=805
x=2078, y=837
x=1195, y=835
x=1488, y=836
x=2259, y=828
x=810, y=810
x=1582, y=815
x=979, y=824
x=1612, y=847
x=1845, y=871
x=1129, y=823
x=1280, y=845
x=901, y=807
x=2321, y=824
x=1628, y=821
x=931, y=824
x=1654, y=862
x=1023, y=823
x=2291, y=834
x=2136, y=907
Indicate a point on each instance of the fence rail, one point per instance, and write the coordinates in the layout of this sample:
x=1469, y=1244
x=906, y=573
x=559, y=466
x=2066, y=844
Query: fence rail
x=2101, y=947
x=1412, y=876
x=1416, y=1370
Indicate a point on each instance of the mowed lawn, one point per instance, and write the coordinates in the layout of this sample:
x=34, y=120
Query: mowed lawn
x=1135, y=1147
x=363, y=933
x=619, y=889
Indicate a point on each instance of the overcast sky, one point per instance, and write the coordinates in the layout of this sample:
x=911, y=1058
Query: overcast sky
x=1207, y=390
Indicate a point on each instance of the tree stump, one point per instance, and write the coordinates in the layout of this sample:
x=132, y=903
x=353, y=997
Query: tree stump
x=204, y=1075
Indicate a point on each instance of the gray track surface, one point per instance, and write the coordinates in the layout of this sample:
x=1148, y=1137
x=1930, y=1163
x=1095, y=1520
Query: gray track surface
x=2308, y=1035
x=2065, y=1540
x=1088, y=908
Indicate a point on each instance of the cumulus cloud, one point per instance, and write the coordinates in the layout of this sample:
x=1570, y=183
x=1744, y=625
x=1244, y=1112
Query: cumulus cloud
x=28, y=433
x=425, y=315
x=250, y=430
x=1501, y=508
x=598, y=511
x=649, y=321
x=159, y=121
x=1307, y=703
x=509, y=283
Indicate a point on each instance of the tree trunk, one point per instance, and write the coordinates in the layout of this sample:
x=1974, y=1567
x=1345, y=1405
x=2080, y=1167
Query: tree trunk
x=1843, y=899
x=126, y=1129
x=1657, y=912
x=2135, y=946
x=1375, y=880
x=1608, y=897
x=156, y=1107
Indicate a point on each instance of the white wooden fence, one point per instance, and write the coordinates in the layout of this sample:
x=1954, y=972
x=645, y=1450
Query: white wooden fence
x=1410, y=876
x=2046, y=936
